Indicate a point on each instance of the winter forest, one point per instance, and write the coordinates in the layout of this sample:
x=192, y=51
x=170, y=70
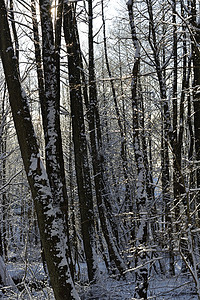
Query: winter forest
x=100, y=149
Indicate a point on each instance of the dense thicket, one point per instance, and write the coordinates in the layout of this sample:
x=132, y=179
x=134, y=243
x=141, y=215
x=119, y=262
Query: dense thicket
x=106, y=117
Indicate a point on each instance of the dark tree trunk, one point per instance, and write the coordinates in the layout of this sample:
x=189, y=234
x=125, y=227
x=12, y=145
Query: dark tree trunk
x=79, y=140
x=165, y=129
x=196, y=93
x=48, y=201
x=3, y=146
x=141, y=288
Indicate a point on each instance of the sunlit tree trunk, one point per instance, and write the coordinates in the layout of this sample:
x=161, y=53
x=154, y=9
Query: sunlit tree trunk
x=48, y=75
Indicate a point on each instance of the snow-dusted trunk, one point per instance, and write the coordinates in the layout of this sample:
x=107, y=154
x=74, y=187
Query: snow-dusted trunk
x=177, y=120
x=79, y=140
x=51, y=109
x=141, y=200
x=144, y=144
x=46, y=199
x=174, y=137
x=180, y=187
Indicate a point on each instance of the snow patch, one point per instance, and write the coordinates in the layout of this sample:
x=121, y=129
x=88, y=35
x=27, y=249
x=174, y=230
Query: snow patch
x=129, y=2
x=9, y=49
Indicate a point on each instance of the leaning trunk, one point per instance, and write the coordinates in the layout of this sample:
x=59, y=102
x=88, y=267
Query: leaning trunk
x=49, y=214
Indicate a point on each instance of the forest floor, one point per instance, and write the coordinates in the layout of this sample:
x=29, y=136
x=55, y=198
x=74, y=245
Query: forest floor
x=179, y=287
x=34, y=284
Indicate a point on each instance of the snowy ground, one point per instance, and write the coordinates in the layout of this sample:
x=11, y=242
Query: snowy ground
x=35, y=286
x=161, y=288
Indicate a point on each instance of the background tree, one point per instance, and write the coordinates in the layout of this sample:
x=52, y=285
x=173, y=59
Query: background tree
x=79, y=139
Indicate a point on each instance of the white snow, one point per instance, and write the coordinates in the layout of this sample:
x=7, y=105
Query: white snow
x=9, y=49
x=5, y=276
x=129, y=2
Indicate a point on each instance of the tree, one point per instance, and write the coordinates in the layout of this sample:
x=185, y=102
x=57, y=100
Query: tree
x=141, y=200
x=3, y=141
x=79, y=139
x=196, y=103
x=102, y=194
x=47, y=192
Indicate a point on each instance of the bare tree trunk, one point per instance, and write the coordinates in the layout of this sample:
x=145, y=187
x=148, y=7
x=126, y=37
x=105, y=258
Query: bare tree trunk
x=3, y=146
x=5, y=278
x=196, y=91
x=165, y=129
x=80, y=142
x=47, y=195
x=47, y=74
x=141, y=288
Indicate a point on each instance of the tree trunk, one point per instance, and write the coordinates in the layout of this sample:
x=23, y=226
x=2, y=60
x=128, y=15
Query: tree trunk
x=47, y=199
x=3, y=146
x=196, y=93
x=80, y=142
x=165, y=130
x=141, y=201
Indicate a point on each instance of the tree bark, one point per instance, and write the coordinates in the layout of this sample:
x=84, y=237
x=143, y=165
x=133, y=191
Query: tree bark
x=48, y=209
x=196, y=92
x=141, y=288
x=80, y=142
x=165, y=127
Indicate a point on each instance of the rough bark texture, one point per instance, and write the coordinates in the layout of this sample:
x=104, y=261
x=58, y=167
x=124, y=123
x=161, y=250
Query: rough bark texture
x=49, y=214
x=79, y=140
x=141, y=288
